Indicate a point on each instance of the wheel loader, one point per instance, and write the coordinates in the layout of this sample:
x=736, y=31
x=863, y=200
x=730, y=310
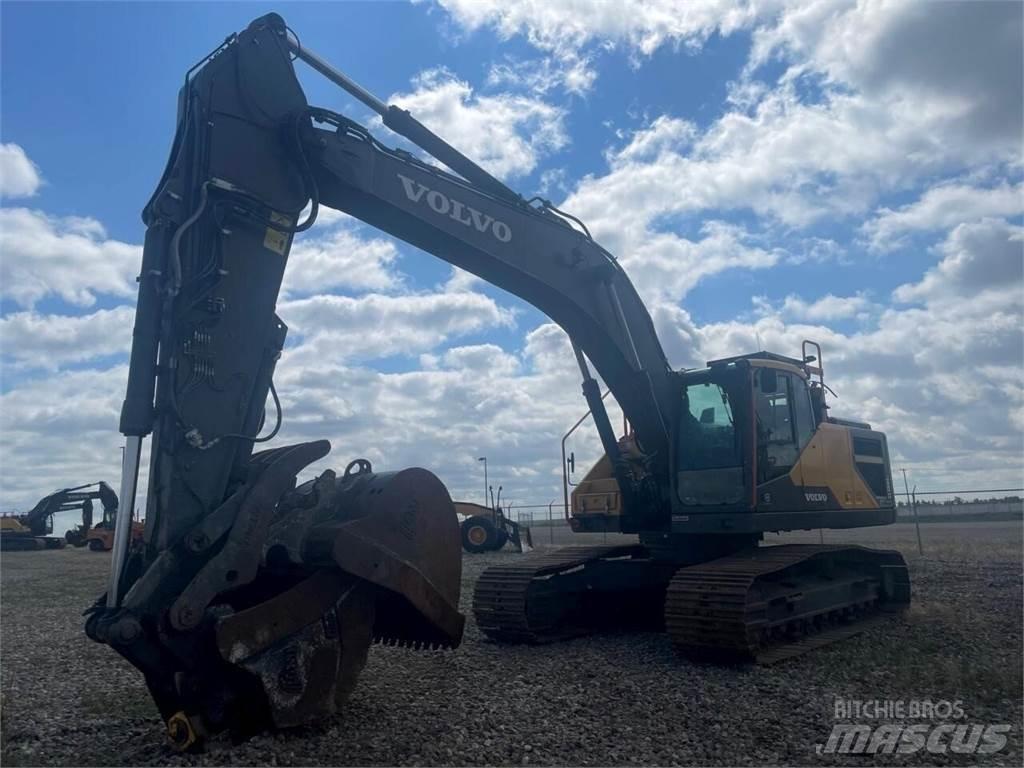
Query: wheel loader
x=256, y=596
x=490, y=529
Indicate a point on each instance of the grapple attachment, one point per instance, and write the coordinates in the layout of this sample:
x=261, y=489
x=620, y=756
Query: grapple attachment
x=262, y=615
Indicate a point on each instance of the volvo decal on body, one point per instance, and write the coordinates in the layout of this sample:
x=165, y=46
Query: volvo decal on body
x=458, y=211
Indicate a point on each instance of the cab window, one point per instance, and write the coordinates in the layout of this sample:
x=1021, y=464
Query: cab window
x=708, y=438
x=802, y=411
x=776, y=426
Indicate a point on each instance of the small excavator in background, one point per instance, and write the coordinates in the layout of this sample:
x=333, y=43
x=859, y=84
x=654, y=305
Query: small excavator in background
x=99, y=537
x=255, y=598
x=32, y=530
x=23, y=533
x=489, y=529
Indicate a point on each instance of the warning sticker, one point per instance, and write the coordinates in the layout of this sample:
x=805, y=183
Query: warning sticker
x=275, y=240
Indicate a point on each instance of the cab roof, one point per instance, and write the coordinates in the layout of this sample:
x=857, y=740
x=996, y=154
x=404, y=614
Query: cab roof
x=762, y=358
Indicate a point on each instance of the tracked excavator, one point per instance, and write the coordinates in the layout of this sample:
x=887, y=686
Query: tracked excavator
x=32, y=530
x=98, y=537
x=81, y=498
x=255, y=598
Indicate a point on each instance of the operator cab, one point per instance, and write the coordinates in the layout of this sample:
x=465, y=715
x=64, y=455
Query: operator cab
x=754, y=436
x=755, y=450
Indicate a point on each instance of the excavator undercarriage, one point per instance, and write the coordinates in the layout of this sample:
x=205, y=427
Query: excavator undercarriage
x=760, y=604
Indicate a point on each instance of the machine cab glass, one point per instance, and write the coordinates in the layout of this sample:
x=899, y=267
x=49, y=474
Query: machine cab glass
x=709, y=457
x=783, y=419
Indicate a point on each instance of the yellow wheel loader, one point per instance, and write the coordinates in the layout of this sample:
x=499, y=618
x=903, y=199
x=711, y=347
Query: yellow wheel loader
x=489, y=529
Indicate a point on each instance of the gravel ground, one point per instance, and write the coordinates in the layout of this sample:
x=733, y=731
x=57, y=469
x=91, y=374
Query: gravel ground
x=606, y=700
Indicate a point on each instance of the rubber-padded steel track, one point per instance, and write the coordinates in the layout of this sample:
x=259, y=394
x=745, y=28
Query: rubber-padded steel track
x=772, y=603
x=522, y=603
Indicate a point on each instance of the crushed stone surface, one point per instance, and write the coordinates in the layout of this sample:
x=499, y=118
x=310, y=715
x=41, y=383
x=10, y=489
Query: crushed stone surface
x=611, y=699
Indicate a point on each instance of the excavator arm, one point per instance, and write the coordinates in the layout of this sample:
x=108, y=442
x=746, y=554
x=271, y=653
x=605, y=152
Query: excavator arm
x=530, y=250
x=527, y=247
x=255, y=598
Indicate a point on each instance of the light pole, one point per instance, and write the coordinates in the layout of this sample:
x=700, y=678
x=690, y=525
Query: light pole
x=912, y=503
x=484, y=460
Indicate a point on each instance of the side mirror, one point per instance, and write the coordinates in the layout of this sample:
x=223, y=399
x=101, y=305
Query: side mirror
x=769, y=381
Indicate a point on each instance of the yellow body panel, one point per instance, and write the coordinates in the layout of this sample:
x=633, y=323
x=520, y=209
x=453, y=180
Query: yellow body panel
x=12, y=524
x=598, y=491
x=469, y=509
x=827, y=462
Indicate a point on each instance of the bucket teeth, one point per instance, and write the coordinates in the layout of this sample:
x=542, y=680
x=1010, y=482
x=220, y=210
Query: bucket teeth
x=415, y=645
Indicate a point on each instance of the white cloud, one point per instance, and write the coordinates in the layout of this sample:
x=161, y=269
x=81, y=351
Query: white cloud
x=68, y=257
x=828, y=307
x=19, y=176
x=506, y=134
x=335, y=255
x=836, y=133
x=786, y=160
x=567, y=70
x=940, y=208
x=665, y=266
x=643, y=25
x=33, y=340
x=979, y=259
x=665, y=135
x=375, y=326
x=59, y=430
x=958, y=63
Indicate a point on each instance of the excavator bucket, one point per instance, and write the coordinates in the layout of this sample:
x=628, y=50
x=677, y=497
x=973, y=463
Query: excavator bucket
x=262, y=617
x=520, y=536
x=402, y=536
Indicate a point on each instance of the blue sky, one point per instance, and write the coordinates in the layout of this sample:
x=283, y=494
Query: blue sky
x=760, y=178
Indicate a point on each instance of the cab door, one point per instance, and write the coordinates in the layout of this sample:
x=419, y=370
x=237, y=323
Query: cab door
x=775, y=423
x=817, y=470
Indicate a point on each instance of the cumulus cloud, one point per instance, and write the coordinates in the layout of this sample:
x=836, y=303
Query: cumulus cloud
x=828, y=307
x=787, y=160
x=665, y=266
x=375, y=326
x=979, y=258
x=857, y=116
x=507, y=134
x=68, y=257
x=927, y=54
x=569, y=71
x=940, y=208
x=59, y=430
x=19, y=176
x=338, y=254
x=642, y=25
x=33, y=340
